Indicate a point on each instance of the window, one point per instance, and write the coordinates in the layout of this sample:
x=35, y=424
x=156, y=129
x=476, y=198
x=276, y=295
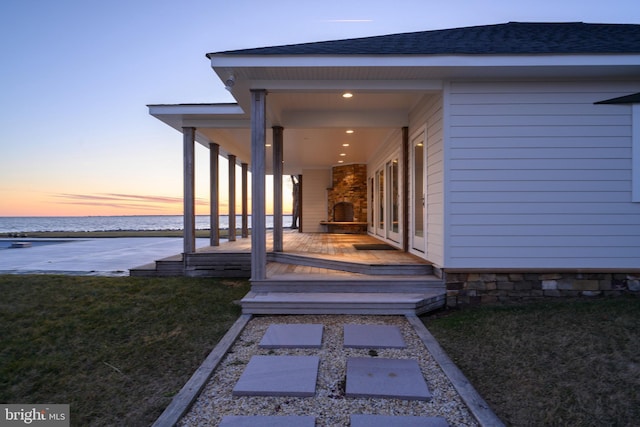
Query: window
x=634, y=101
x=635, y=153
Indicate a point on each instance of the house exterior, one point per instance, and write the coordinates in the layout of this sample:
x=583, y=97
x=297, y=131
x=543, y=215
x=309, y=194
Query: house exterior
x=508, y=155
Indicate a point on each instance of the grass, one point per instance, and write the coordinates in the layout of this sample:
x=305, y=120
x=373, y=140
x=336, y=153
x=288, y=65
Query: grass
x=550, y=363
x=116, y=349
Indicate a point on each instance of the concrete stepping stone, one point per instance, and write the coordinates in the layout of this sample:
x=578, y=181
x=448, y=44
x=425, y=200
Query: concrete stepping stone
x=373, y=336
x=387, y=378
x=279, y=376
x=268, y=421
x=289, y=336
x=397, y=421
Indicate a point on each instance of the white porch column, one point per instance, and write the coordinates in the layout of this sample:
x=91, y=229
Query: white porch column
x=214, y=194
x=245, y=198
x=405, y=189
x=189, y=200
x=232, y=198
x=258, y=225
x=277, y=187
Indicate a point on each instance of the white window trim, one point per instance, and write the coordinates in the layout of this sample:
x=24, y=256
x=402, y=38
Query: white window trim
x=635, y=153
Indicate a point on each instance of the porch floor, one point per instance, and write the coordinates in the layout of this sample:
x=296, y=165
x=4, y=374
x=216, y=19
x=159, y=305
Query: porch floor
x=336, y=247
x=320, y=273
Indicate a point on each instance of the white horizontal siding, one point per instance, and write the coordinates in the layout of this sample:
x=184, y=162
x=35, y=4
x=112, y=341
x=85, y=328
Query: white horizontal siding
x=314, y=199
x=540, y=177
x=428, y=114
x=546, y=209
x=556, y=175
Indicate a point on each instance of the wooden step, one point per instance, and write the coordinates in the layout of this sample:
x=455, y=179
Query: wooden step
x=333, y=263
x=342, y=303
x=166, y=267
x=146, y=270
x=353, y=284
x=218, y=264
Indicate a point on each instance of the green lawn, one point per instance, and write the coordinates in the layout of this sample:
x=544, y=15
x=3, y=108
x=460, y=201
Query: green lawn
x=118, y=348
x=115, y=349
x=562, y=363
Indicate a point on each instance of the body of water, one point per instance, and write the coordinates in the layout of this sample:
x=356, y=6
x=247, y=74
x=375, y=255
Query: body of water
x=117, y=223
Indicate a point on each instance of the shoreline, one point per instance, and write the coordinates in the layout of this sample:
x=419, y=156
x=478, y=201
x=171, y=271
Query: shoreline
x=108, y=234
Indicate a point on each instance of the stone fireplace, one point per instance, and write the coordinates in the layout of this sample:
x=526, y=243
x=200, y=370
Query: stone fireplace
x=342, y=212
x=347, y=200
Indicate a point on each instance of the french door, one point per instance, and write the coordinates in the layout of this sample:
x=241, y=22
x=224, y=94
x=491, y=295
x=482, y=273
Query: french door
x=385, y=198
x=393, y=200
x=379, y=203
x=418, y=186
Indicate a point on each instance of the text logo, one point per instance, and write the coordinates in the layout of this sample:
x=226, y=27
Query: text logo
x=34, y=415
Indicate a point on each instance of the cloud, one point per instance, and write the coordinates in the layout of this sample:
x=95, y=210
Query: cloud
x=122, y=201
x=349, y=20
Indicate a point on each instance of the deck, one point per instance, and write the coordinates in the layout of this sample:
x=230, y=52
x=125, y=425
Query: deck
x=317, y=273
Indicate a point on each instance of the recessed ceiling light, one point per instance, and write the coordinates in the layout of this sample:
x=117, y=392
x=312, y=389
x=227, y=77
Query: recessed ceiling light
x=343, y=154
x=345, y=144
x=340, y=161
x=347, y=95
x=267, y=145
x=349, y=131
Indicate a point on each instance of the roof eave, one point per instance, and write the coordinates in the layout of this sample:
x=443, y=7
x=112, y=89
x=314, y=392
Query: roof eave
x=184, y=109
x=458, y=60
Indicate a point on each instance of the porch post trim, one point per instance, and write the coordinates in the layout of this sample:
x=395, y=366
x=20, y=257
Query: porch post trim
x=258, y=225
x=405, y=189
x=277, y=187
x=245, y=198
x=189, y=201
x=300, y=204
x=232, y=198
x=214, y=194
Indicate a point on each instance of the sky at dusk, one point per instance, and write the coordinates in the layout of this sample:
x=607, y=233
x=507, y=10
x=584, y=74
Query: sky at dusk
x=76, y=76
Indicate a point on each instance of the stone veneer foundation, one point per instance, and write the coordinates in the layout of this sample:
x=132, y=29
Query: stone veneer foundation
x=484, y=287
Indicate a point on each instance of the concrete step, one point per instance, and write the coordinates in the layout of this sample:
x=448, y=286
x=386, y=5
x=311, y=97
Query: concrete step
x=342, y=303
x=350, y=266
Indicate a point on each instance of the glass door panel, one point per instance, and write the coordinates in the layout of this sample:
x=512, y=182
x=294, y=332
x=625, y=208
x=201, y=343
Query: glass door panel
x=393, y=202
x=380, y=226
x=372, y=205
x=418, y=193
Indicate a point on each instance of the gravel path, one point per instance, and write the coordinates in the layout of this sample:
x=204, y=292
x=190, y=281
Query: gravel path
x=330, y=407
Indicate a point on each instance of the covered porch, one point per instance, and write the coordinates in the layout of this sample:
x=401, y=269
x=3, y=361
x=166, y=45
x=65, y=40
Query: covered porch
x=317, y=273
x=358, y=143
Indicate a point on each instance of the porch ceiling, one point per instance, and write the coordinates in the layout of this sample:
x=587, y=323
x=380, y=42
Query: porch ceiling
x=315, y=124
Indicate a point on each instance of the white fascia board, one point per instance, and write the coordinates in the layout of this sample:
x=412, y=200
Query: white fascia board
x=199, y=109
x=635, y=153
x=318, y=61
x=368, y=85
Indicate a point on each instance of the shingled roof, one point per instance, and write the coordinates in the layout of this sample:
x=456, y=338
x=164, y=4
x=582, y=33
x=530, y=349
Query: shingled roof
x=509, y=38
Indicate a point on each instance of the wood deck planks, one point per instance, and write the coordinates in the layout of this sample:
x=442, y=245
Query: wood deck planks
x=331, y=246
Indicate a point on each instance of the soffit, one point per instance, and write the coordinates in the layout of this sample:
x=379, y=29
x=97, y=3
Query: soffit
x=315, y=125
x=307, y=148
